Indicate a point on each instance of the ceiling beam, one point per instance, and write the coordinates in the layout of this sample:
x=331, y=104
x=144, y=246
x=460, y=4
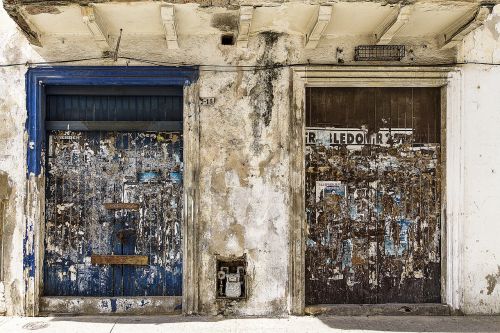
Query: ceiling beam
x=456, y=32
x=96, y=27
x=245, y=23
x=168, y=20
x=392, y=25
x=324, y=17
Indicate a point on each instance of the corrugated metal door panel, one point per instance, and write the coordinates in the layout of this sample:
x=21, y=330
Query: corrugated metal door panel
x=85, y=170
x=373, y=195
x=114, y=108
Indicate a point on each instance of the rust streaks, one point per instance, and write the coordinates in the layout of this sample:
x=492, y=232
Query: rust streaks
x=121, y=205
x=97, y=259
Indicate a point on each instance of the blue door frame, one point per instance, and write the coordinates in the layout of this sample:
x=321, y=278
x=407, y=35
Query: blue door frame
x=39, y=77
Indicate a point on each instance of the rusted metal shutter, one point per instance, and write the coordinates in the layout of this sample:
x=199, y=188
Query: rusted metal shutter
x=373, y=195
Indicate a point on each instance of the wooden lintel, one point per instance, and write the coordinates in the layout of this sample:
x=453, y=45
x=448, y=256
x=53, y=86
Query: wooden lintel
x=245, y=23
x=96, y=27
x=167, y=12
x=121, y=205
x=392, y=25
x=322, y=21
x=455, y=33
x=97, y=259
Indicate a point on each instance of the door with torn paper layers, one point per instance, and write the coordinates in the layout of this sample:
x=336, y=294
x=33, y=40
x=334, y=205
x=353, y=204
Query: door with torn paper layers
x=373, y=195
x=113, y=193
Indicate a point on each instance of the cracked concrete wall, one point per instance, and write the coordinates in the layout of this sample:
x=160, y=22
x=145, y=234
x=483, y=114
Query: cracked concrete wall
x=480, y=288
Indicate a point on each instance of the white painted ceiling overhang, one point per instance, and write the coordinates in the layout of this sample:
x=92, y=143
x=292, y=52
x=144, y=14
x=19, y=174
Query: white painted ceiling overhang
x=164, y=26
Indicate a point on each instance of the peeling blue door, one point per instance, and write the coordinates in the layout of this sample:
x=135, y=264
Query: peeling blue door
x=86, y=172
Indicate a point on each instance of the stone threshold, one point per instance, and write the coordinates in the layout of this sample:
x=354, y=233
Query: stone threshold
x=134, y=305
x=394, y=309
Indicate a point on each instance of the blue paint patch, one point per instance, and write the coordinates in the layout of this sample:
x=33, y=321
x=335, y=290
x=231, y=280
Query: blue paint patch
x=378, y=209
x=389, y=246
x=29, y=254
x=176, y=177
x=310, y=243
x=404, y=225
x=353, y=212
x=346, y=254
x=148, y=176
x=113, y=305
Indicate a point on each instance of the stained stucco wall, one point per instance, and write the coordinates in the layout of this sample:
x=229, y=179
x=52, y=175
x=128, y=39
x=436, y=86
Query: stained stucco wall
x=244, y=163
x=244, y=193
x=244, y=186
x=481, y=248
x=481, y=122
x=14, y=48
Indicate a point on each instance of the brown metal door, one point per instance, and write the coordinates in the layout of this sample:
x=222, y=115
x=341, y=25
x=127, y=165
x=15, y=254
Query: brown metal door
x=373, y=196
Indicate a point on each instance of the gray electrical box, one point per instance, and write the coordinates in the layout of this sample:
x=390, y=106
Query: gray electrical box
x=231, y=277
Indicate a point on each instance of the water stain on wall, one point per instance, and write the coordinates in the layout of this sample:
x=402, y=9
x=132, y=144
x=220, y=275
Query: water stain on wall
x=263, y=91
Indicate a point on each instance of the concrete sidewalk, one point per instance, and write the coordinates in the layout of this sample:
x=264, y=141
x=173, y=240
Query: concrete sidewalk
x=174, y=324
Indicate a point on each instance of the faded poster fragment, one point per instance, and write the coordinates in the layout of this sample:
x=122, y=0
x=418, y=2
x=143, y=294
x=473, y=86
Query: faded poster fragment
x=329, y=188
x=357, y=137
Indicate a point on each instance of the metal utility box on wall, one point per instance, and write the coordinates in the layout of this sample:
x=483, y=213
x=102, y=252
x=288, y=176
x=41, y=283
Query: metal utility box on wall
x=231, y=278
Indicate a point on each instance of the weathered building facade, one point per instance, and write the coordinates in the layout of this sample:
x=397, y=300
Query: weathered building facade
x=244, y=158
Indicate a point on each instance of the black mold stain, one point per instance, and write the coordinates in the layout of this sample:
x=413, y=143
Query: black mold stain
x=266, y=73
x=400, y=2
x=492, y=280
x=265, y=98
x=225, y=22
